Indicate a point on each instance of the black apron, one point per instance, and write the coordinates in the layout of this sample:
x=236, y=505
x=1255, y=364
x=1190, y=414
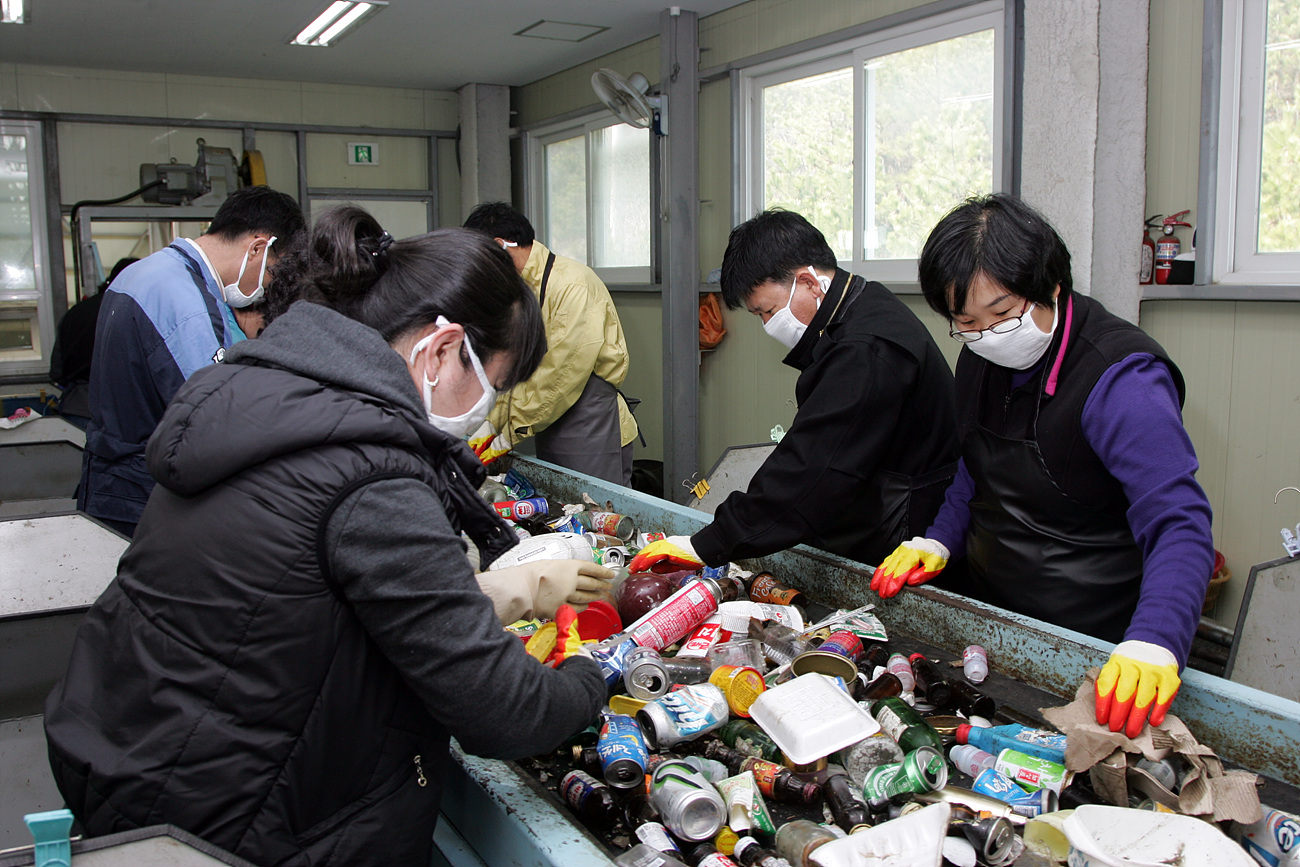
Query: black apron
x=1034, y=549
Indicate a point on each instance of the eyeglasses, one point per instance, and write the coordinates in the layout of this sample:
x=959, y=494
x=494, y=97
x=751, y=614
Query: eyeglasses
x=1002, y=326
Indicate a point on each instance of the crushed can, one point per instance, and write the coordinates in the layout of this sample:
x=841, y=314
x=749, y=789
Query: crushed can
x=518, y=484
x=613, y=661
x=688, y=804
x=1032, y=772
x=622, y=752
x=683, y=715
x=922, y=770
x=996, y=784
x=1274, y=840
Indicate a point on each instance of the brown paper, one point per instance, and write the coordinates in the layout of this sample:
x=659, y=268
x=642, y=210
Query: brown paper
x=1208, y=790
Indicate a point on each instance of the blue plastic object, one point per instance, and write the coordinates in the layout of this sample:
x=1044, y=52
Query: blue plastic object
x=50, y=831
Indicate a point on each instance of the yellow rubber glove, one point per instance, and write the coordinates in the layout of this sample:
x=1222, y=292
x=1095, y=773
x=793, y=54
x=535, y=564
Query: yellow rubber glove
x=676, y=550
x=489, y=448
x=1137, y=683
x=913, y=562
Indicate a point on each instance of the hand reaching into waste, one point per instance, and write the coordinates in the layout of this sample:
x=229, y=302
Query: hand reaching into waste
x=538, y=588
x=1137, y=685
x=677, y=550
x=912, y=563
x=490, y=446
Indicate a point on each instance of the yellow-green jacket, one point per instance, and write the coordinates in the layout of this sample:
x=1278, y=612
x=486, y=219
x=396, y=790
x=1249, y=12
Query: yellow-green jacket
x=583, y=337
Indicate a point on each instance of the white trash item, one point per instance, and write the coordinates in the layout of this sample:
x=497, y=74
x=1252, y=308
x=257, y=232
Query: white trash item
x=915, y=840
x=810, y=717
x=550, y=546
x=1122, y=837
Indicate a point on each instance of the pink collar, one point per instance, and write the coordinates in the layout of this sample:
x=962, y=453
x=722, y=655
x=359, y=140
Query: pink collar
x=1065, y=342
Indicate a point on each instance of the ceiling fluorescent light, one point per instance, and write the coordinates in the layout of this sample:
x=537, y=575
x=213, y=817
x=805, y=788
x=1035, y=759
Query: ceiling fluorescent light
x=330, y=25
x=13, y=11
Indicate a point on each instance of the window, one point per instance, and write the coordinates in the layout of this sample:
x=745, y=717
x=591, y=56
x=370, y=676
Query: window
x=875, y=140
x=591, y=200
x=1257, y=221
x=26, y=329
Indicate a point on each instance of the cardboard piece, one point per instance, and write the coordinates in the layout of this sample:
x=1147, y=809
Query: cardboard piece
x=1208, y=790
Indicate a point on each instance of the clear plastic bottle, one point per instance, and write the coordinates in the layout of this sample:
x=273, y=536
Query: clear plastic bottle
x=642, y=855
x=900, y=668
x=971, y=760
x=975, y=663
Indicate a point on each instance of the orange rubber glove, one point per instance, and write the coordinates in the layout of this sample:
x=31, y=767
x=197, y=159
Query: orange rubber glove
x=567, y=641
x=1137, y=683
x=675, y=550
x=912, y=563
x=490, y=447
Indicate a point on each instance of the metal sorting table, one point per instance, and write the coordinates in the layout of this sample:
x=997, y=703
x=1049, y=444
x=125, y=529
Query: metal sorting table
x=42, y=461
x=498, y=813
x=55, y=567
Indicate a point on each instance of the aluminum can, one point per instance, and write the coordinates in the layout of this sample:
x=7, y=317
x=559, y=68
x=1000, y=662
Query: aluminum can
x=1273, y=840
x=615, y=555
x=740, y=684
x=683, y=715
x=518, y=484
x=516, y=509
x=613, y=661
x=675, y=616
x=922, y=770
x=688, y=804
x=644, y=675
x=993, y=839
x=568, y=524
x=622, y=751
x=1032, y=772
x=589, y=798
x=995, y=784
x=844, y=643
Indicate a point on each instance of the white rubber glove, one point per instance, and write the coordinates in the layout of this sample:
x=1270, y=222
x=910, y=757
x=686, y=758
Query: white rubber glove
x=538, y=588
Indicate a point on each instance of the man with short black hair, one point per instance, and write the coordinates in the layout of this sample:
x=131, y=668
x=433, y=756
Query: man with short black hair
x=163, y=318
x=572, y=403
x=874, y=443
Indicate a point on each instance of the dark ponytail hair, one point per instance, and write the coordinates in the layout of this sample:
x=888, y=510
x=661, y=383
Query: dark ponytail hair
x=352, y=265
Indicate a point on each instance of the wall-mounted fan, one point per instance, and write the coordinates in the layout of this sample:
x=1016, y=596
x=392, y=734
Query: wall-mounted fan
x=630, y=100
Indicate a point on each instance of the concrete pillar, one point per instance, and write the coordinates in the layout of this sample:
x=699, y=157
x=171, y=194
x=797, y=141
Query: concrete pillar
x=1084, y=144
x=484, y=145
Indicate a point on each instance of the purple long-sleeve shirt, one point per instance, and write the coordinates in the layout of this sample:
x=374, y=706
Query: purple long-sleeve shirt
x=1132, y=421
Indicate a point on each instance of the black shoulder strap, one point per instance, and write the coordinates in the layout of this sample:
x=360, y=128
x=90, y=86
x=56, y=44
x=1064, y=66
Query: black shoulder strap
x=322, y=539
x=546, y=277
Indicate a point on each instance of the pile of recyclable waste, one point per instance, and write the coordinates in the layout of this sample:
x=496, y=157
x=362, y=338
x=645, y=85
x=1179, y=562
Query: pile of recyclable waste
x=746, y=724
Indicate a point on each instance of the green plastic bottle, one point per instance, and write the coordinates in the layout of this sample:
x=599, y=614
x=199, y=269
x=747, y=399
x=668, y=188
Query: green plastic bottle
x=898, y=720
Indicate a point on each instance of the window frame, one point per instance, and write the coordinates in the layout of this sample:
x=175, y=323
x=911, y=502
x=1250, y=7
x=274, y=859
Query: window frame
x=853, y=54
x=1239, y=160
x=536, y=141
x=38, y=363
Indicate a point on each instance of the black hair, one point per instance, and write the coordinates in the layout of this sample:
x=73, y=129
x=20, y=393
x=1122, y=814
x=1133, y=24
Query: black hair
x=258, y=209
x=350, y=264
x=1001, y=237
x=771, y=247
x=499, y=220
x=118, y=269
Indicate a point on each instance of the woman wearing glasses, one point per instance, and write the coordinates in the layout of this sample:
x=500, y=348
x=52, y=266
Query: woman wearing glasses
x=1075, y=501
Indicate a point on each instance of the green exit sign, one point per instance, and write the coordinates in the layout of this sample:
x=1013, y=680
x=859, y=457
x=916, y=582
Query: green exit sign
x=363, y=153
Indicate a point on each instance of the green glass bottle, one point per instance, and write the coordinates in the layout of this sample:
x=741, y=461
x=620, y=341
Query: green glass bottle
x=750, y=739
x=898, y=720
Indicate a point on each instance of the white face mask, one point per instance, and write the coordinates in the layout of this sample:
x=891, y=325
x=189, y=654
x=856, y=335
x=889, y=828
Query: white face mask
x=1020, y=349
x=783, y=325
x=233, y=294
x=467, y=422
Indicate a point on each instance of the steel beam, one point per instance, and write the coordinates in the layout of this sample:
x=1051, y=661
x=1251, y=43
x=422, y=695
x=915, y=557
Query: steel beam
x=679, y=82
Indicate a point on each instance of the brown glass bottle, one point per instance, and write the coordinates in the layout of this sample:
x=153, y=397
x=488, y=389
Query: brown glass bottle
x=779, y=783
x=720, y=752
x=875, y=656
x=930, y=682
x=848, y=810
x=970, y=701
x=882, y=687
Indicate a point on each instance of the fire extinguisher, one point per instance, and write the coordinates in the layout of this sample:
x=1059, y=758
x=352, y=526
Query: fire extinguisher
x=1146, y=273
x=1167, y=249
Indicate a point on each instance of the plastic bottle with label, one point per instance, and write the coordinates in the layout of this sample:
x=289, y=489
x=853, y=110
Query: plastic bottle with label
x=1035, y=742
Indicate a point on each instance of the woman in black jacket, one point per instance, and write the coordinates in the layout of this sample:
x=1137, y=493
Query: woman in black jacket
x=295, y=630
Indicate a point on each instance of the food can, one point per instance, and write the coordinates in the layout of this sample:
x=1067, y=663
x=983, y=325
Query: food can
x=518, y=509
x=622, y=751
x=613, y=524
x=844, y=643
x=688, y=804
x=644, y=675
x=1032, y=772
x=824, y=662
x=741, y=685
x=922, y=770
x=683, y=715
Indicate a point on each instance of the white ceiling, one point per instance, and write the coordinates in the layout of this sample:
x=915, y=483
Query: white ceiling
x=435, y=44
